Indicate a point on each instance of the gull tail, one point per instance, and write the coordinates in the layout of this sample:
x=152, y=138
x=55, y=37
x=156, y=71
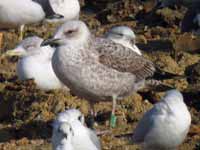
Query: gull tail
x=163, y=75
x=157, y=85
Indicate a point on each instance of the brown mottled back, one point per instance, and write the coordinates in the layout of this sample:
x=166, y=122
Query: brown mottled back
x=124, y=59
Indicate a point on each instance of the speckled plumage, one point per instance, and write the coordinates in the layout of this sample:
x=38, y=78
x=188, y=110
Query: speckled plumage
x=97, y=68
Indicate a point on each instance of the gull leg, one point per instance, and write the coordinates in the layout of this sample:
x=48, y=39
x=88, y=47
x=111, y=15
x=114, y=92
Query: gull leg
x=92, y=115
x=21, y=34
x=113, y=118
x=1, y=40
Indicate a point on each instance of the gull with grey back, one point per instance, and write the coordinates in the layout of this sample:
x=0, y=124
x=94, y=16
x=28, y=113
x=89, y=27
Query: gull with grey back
x=83, y=137
x=69, y=9
x=97, y=69
x=17, y=13
x=166, y=125
x=35, y=63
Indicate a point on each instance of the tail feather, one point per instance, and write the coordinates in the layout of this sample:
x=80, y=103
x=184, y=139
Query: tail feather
x=157, y=85
x=162, y=75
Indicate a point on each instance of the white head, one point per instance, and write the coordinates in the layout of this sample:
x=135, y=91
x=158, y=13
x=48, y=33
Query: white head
x=71, y=32
x=62, y=136
x=70, y=115
x=121, y=32
x=123, y=35
x=29, y=46
x=173, y=95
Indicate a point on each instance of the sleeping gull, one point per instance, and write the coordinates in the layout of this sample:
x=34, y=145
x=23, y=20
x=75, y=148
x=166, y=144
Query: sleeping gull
x=35, y=63
x=166, y=125
x=97, y=69
x=83, y=137
x=123, y=35
x=17, y=13
x=62, y=137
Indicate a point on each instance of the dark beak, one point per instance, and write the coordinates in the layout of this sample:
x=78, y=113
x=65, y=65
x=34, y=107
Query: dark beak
x=65, y=135
x=51, y=42
x=55, y=16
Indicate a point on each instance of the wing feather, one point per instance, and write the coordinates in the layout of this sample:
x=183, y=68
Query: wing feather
x=123, y=59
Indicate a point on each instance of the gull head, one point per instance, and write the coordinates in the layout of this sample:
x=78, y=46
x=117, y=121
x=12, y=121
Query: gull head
x=173, y=97
x=70, y=115
x=25, y=47
x=121, y=33
x=71, y=32
x=62, y=135
x=64, y=130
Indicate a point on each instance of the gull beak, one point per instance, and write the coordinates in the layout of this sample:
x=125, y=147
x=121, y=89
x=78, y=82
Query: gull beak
x=55, y=16
x=65, y=135
x=51, y=42
x=14, y=52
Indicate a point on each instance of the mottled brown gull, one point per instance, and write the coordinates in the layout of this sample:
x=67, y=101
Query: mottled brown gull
x=97, y=69
x=125, y=36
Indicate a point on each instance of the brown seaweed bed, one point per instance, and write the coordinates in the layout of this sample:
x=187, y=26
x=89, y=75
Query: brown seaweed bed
x=26, y=113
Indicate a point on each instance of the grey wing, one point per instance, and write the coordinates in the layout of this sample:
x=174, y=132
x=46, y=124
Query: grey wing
x=148, y=121
x=142, y=128
x=123, y=59
x=94, y=138
x=46, y=6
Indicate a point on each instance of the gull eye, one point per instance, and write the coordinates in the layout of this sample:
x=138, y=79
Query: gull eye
x=69, y=32
x=28, y=46
x=59, y=130
x=70, y=129
x=80, y=118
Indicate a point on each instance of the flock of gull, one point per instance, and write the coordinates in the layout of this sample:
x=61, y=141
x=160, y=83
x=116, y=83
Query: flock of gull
x=104, y=68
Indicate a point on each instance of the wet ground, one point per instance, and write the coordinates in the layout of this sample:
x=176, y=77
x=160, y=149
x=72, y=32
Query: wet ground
x=26, y=113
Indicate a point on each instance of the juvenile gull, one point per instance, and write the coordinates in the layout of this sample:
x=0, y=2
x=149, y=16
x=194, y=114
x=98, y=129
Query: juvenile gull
x=166, y=125
x=83, y=137
x=35, y=63
x=125, y=36
x=97, y=69
x=17, y=13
